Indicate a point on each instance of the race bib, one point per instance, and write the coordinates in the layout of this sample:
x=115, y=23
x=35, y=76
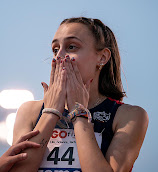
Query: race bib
x=61, y=153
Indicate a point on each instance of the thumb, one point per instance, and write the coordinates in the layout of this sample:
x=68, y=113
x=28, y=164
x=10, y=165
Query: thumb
x=45, y=86
x=17, y=158
x=87, y=85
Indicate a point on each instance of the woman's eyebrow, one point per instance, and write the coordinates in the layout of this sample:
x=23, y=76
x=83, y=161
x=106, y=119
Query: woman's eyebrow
x=67, y=38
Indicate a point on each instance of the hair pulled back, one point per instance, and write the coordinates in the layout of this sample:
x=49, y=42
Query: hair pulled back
x=110, y=83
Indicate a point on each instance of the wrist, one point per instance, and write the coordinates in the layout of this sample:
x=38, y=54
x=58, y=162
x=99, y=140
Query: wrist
x=51, y=116
x=79, y=111
x=80, y=119
x=53, y=112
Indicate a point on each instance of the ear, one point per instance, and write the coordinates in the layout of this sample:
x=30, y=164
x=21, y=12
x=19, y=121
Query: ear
x=104, y=56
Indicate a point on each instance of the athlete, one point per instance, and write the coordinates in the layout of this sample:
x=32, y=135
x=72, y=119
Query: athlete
x=83, y=124
x=14, y=155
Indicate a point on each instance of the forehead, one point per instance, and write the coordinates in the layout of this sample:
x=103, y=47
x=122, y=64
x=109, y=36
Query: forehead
x=74, y=29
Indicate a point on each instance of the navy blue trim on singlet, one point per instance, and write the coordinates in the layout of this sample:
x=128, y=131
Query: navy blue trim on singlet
x=40, y=114
x=107, y=107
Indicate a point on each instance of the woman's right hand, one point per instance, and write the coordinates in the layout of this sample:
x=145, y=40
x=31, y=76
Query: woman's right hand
x=55, y=93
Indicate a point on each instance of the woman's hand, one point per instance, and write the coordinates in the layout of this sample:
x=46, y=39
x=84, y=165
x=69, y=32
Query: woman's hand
x=14, y=155
x=76, y=90
x=55, y=93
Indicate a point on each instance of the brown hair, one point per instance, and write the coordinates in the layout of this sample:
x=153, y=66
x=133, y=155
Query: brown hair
x=110, y=83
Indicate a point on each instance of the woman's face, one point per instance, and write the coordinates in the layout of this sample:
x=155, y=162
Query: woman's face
x=76, y=40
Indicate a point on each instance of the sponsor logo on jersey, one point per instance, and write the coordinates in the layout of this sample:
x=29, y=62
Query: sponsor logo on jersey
x=63, y=133
x=101, y=116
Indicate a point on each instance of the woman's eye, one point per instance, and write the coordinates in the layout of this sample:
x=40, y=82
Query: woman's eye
x=55, y=50
x=72, y=47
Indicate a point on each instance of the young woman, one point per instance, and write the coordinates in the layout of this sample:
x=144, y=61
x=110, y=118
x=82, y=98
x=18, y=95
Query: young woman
x=85, y=75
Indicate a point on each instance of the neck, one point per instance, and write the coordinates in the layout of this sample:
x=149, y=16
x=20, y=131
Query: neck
x=94, y=96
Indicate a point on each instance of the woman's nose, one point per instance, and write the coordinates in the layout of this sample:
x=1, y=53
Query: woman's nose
x=61, y=53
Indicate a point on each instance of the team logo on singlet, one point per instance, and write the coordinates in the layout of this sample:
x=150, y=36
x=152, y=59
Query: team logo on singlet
x=101, y=116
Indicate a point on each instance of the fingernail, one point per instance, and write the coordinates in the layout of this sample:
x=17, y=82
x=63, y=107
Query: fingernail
x=58, y=58
x=65, y=60
x=63, y=68
x=67, y=57
x=61, y=61
x=54, y=60
x=91, y=80
x=73, y=59
x=24, y=155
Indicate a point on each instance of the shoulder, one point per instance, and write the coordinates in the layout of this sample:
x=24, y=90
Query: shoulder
x=27, y=115
x=129, y=114
x=30, y=106
x=30, y=110
x=129, y=126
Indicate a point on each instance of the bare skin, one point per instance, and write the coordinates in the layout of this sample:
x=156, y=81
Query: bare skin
x=47, y=122
x=14, y=155
x=73, y=85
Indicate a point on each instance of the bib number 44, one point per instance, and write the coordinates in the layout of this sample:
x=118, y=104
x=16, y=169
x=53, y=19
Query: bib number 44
x=67, y=156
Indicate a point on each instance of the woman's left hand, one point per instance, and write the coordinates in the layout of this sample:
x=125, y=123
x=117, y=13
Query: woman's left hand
x=76, y=90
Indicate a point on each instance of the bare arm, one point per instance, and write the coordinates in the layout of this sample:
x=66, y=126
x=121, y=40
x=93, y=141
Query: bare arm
x=130, y=125
x=45, y=126
x=124, y=148
x=90, y=155
x=130, y=128
x=54, y=97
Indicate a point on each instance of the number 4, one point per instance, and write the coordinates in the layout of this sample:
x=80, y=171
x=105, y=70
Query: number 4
x=55, y=159
x=63, y=158
x=70, y=159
